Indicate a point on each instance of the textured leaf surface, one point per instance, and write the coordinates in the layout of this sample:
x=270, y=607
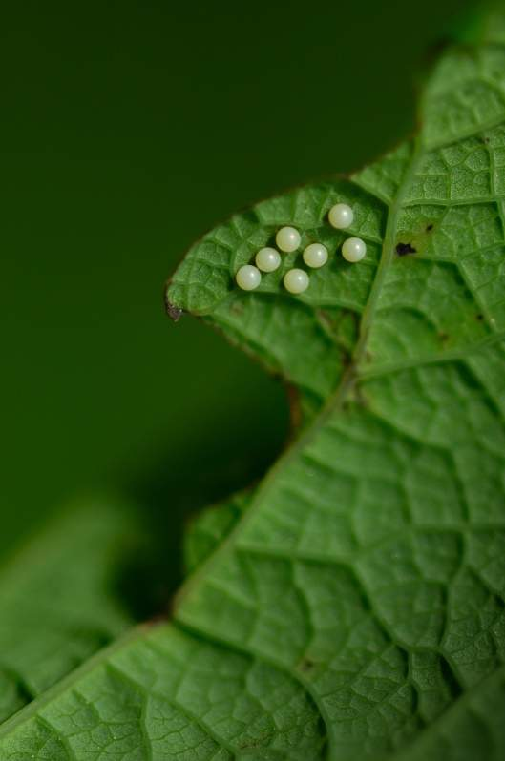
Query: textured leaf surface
x=58, y=600
x=205, y=533
x=356, y=610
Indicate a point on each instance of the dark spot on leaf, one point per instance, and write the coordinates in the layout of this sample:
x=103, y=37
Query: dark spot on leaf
x=479, y=316
x=295, y=407
x=173, y=312
x=443, y=337
x=306, y=664
x=429, y=228
x=404, y=249
x=346, y=358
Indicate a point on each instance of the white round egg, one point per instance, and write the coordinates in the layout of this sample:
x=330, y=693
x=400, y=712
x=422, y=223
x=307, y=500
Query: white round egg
x=315, y=255
x=354, y=249
x=268, y=259
x=296, y=281
x=340, y=216
x=248, y=277
x=288, y=239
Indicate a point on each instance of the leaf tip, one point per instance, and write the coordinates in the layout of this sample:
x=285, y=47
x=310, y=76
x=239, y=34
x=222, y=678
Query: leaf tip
x=173, y=311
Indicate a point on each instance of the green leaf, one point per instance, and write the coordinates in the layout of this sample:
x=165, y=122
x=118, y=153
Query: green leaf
x=59, y=600
x=204, y=534
x=357, y=608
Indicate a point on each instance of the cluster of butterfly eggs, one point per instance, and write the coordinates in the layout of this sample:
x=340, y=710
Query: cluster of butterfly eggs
x=315, y=255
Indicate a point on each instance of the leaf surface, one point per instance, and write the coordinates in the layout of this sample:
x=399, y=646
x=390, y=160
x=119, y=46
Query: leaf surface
x=209, y=528
x=356, y=609
x=58, y=599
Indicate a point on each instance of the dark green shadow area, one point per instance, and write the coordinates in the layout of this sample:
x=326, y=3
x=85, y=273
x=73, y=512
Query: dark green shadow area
x=203, y=466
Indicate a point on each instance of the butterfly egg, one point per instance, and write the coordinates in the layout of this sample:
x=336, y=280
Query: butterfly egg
x=268, y=259
x=340, y=216
x=288, y=239
x=296, y=281
x=248, y=277
x=315, y=255
x=354, y=249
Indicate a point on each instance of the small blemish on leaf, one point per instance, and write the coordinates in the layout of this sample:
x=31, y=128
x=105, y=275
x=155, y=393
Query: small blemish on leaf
x=479, y=316
x=295, y=407
x=237, y=308
x=306, y=664
x=429, y=228
x=346, y=357
x=404, y=249
x=173, y=312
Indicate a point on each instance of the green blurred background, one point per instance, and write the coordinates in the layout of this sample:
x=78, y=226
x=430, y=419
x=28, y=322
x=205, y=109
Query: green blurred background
x=127, y=130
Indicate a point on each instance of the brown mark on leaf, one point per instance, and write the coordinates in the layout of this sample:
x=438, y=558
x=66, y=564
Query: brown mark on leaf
x=295, y=408
x=444, y=337
x=346, y=358
x=404, y=249
x=173, y=311
x=429, y=228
